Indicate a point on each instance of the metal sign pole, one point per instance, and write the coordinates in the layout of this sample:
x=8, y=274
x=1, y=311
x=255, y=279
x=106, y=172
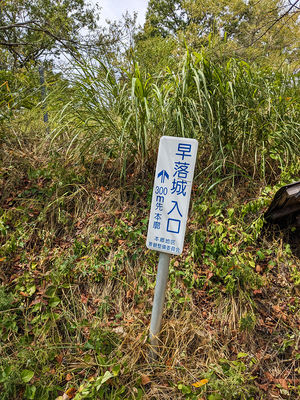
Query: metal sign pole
x=169, y=210
x=158, y=302
x=43, y=94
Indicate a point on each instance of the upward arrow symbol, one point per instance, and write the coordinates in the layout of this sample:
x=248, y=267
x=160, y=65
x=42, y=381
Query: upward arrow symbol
x=163, y=174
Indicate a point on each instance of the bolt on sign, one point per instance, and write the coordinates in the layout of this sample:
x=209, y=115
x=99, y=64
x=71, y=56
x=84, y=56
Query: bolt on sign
x=171, y=194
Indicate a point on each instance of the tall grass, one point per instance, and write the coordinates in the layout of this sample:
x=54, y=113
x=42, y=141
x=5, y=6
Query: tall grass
x=107, y=116
x=246, y=118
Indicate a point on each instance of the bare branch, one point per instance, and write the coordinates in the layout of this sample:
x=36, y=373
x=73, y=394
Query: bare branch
x=16, y=25
x=274, y=23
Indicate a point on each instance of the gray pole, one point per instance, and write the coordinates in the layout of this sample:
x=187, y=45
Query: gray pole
x=43, y=93
x=158, y=302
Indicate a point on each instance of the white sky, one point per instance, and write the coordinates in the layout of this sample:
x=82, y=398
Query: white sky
x=113, y=9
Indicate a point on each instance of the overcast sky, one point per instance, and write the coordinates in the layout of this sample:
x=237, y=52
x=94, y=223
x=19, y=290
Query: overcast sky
x=113, y=9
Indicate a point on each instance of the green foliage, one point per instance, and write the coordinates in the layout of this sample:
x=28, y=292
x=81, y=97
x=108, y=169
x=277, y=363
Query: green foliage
x=155, y=54
x=245, y=116
x=97, y=388
x=228, y=380
x=18, y=91
x=220, y=242
x=252, y=31
x=30, y=29
x=164, y=18
x=6, y=300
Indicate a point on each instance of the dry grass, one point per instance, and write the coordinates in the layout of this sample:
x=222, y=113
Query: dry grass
x=82, y=240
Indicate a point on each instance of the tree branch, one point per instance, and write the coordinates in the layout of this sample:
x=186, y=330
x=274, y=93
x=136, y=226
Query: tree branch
x=275, y=22
x=16, y=25
x=15, y=44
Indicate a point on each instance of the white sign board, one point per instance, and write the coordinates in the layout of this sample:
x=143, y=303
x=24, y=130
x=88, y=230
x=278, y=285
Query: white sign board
x=171, y=194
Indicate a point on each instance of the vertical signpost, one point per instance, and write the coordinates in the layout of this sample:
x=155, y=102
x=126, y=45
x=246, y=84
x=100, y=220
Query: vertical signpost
x=169, y=209
x=43, y=93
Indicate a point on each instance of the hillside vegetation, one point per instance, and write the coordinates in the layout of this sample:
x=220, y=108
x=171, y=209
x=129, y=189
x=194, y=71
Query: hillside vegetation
x=77, y=280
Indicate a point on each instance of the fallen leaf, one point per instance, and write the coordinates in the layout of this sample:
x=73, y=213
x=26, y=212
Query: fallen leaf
x=59, y=358
x=200, y=383
x=129, y=321
x=69, y=377
x=145, y=379
x=269, y=376
x=263, y=387
x=258, y=268
x=84, y=299
x=71, y=392
x=276, y=309
x=283, y=383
